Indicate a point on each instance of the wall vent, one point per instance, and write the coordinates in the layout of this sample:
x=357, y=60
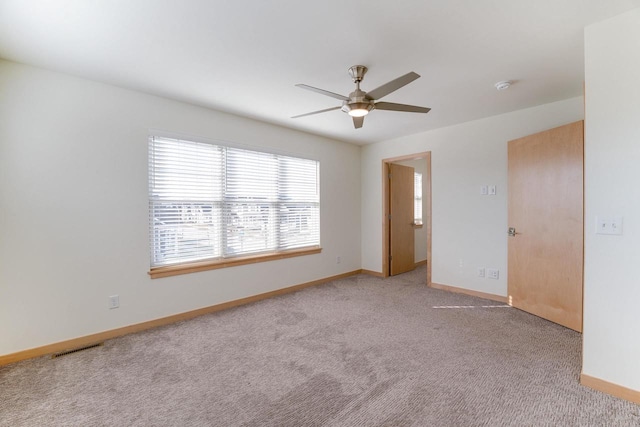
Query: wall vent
x=75, y=350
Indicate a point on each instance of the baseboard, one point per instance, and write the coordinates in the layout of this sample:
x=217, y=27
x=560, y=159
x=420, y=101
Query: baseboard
x=138, y=327
x=420, y=263
x=478, y=294
x=372, y=273
x=610, y=388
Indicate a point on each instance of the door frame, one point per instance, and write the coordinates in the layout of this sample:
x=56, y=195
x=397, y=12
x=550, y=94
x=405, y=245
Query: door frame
x=426, y=197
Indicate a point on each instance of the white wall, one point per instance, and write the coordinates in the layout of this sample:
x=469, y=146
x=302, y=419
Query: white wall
x=74, y=211
x=420, y=234
x=612, y=175
x=468, y=230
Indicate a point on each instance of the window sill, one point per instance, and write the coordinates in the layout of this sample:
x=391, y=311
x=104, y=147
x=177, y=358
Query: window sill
x=194, y=267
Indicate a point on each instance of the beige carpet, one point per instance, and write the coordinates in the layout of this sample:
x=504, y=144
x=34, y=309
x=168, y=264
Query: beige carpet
x=361, y=351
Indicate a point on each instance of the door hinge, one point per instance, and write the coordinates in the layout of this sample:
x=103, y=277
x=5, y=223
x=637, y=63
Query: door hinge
x=389, y=216
x=389, y=176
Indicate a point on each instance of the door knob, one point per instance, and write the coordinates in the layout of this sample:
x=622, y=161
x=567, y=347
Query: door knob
x=512, y=232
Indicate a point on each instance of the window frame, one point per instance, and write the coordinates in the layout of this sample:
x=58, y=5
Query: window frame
x=226, y=260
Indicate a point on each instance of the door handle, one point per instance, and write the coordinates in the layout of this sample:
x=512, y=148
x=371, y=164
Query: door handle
x=512, y=232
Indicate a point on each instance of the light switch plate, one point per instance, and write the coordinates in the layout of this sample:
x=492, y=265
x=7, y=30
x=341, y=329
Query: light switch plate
x=492, y=190
x=114, y=301
x=484, y=190
x=609, y=225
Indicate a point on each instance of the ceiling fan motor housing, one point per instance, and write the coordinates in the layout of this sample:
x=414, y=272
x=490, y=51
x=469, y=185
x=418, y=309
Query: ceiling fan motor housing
x=358, y=101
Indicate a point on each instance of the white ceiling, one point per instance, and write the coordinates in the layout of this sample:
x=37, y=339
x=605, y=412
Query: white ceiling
x=244, y=57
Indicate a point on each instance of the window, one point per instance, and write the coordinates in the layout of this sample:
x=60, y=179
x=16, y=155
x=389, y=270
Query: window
x=417, y=198
x=213, y=203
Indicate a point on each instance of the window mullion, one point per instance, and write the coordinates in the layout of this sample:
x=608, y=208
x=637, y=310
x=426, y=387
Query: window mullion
x=224, y=204
x=278, y=205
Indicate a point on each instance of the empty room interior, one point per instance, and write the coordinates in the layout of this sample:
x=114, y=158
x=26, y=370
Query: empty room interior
x=319, y=213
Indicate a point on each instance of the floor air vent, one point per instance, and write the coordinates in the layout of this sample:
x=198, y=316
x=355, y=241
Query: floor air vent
x=75, y=350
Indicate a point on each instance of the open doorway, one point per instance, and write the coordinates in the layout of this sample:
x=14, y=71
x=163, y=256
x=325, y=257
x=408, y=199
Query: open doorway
x=421, y=162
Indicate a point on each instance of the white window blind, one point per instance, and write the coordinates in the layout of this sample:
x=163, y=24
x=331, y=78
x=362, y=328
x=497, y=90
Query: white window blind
x=417, y=200
x=209, y=201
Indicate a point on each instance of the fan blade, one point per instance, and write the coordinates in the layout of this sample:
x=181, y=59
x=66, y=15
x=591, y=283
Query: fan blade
x=358, y=121
x=316, y=112
x=392, y=86
x=323, y=92
x=391, y=106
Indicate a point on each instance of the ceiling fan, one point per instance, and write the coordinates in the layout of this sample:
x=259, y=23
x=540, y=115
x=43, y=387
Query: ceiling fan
x=359, y=103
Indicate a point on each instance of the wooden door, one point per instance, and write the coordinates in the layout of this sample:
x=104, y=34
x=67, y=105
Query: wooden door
x=401, y=239
x=545, y=202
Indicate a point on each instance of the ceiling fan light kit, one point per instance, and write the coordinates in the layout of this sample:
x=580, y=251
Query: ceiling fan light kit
x=359, y=103
x=357, y=109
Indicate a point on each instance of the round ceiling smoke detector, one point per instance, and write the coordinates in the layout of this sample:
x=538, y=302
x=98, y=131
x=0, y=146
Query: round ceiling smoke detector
x=503, y=85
